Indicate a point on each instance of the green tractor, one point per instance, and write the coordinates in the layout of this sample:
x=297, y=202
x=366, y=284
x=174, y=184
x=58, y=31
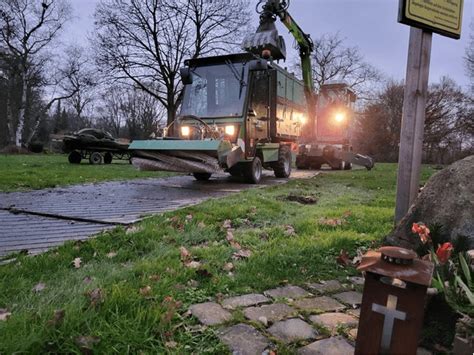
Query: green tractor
x=239, y=114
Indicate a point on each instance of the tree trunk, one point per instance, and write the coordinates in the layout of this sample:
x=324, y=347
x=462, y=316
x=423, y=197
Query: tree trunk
x=21, y=114
x=10, y=123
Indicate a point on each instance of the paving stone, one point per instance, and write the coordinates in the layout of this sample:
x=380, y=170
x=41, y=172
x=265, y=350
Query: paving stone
x=244, y=301
x=349, y=297
x=210, y=313
x=292, y=330
x=287, y=292
x=326, y=286
x=357, y=280
x=269, y=313
x=354, y=312
x=243, y=339
x=332, y=320
x=330, y=346
x=321, y=304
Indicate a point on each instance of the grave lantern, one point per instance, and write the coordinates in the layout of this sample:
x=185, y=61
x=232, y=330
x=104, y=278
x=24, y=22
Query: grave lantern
x=391, y=316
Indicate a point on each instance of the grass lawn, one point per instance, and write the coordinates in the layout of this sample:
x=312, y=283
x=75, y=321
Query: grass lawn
x=126, y=317
x=38, y=171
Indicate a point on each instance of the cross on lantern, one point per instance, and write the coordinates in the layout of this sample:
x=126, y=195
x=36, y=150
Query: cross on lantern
x=390, y=312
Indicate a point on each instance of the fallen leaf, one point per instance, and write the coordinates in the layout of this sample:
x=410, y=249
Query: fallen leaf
x=343, y=258
x=77, y=263
x=145, y=291
x=228, y=267
x=193, y=264
x=58, y=318
x=332, y=222
x=229, y=236
x=154, y=278
x=95, y=296
x=86, y=343
x=193, y=283
x=189, y=217
x=39, y=287
x=132, y=230
x=227, y=224
x=171, y=344
x=201, y=225
x=242, y=254
x=87, y=280
x=185, y=254
x=289, y=230
x=111, y=255
x=4, y=314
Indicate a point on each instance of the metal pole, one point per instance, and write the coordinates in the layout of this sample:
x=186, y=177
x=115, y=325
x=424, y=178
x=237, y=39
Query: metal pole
x=413, y=120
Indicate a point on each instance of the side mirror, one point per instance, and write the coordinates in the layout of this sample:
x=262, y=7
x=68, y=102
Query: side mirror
x=186, y=76
x=251, y=113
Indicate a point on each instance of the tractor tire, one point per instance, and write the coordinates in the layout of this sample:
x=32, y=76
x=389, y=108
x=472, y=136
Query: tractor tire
x=235, y=171
x=74, y=157
x=253, y=171
x=302, y=162
x=282, y=168
x=95, y=158
x=202, y=176
x=108, y=158
x=348, y=166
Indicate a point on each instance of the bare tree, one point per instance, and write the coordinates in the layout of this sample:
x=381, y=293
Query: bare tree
x=27, y=29
x=470, y=58
x=146, y=41
x=333, y=60
x=83, y=80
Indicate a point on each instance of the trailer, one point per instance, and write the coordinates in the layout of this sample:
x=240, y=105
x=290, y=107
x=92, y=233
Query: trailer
x=95, y=145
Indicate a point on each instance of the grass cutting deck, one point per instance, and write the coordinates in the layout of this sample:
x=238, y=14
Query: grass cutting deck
x=129, y=290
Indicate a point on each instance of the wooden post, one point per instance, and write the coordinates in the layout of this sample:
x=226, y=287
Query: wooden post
x=413, y=120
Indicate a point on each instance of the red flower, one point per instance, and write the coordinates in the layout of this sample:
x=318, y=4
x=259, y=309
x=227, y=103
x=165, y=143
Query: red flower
x=444, y=252
x=422, y=230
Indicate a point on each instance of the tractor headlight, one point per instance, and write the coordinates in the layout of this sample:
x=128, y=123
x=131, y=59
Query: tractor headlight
x=185, y=131
x=230, y=130
x=340, y=117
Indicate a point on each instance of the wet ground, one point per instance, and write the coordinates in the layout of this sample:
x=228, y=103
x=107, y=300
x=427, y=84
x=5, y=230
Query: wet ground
x=35, y=221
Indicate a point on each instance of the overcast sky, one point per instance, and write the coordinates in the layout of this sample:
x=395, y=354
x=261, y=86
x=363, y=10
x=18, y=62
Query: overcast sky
x=370, y=25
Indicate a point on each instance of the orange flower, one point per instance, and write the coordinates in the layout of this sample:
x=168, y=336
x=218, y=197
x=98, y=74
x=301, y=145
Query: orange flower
x=422, y=230
x=444, y=252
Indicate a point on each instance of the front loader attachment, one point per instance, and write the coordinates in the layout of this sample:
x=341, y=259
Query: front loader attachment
x=184, y=156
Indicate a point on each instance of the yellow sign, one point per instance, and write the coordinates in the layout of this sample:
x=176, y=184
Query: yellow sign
x=441, y=16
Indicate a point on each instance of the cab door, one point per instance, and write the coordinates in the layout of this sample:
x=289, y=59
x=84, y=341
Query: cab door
x=258, y=116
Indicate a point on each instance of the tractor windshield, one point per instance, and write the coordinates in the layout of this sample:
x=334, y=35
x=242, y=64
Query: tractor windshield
x=216, y=91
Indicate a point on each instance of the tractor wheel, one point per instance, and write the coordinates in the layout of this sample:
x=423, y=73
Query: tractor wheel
x=348, y=166
x=108, y=158
x=282, y=168
x=202, y=176
x=235, y=171
x=339, y=166
x=74, y=157
x=253, y=171
x=302, y=162
x=95, y=158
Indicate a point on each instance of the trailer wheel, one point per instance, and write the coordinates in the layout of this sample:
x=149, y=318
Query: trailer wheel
x=253, y=171
x=202, y=176
x=235, y=171
x=348, y=166
x=282, y=168
x=95, y=158
x=74, y=157
x=108, y=158
x=341, y=165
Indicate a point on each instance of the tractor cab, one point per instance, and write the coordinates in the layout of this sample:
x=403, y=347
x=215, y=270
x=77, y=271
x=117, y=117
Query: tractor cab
x=335, y=107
